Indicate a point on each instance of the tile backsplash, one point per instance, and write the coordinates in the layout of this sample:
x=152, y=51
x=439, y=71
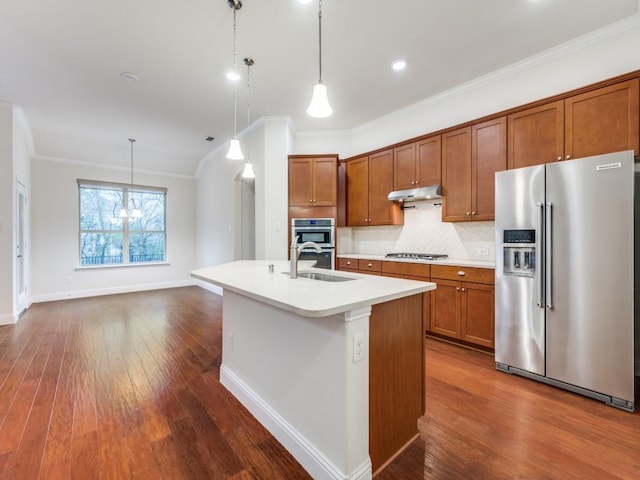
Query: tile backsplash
x=423, y=232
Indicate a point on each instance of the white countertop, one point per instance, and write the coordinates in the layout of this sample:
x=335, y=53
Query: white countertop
x=310, y=298
x=447, y=261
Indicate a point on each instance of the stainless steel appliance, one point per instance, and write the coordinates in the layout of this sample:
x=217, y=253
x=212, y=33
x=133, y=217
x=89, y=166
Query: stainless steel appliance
x=320, y=231
x=418, y=256
x=565, y=275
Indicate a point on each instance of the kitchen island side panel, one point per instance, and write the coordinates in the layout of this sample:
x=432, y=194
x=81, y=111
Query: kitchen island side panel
x=302, y=370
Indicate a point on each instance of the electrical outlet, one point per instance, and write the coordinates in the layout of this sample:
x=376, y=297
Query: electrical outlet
x=483, y=252
x=358, y=347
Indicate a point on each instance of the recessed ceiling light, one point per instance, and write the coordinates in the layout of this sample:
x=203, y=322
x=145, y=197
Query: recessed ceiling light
x=304, y=1
x=399, y=64
x=233, y=76
x=129, y=77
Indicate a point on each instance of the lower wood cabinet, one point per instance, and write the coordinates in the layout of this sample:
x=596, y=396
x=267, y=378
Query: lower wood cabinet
x=462, y=306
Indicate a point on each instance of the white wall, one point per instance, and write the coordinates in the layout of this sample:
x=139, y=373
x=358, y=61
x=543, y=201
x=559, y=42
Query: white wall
x=267, y=143
x=6, y=215
x=54, y=210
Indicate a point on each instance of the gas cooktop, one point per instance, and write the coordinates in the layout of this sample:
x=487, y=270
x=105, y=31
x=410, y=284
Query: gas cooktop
x=417, y=256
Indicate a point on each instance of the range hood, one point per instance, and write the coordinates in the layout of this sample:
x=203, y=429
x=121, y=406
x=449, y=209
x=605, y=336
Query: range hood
x=415, y=194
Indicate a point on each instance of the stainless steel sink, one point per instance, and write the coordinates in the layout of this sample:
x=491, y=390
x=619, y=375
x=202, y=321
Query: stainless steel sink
x=324, y=277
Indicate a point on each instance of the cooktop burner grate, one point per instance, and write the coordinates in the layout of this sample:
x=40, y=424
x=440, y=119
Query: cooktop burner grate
x=418, y=256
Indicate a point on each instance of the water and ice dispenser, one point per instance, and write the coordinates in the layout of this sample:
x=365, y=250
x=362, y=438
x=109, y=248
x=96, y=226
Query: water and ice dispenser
x=519, y=250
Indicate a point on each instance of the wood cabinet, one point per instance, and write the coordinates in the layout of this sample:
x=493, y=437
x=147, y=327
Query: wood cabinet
x=369, y=182
x=417, y=164
x=456, y=175
x=603, y=120
x=462, y=306
x=470, y=158
x=313, y=181
x=371, y=267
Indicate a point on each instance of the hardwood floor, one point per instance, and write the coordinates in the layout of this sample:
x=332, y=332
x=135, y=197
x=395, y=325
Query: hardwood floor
x=126, y=386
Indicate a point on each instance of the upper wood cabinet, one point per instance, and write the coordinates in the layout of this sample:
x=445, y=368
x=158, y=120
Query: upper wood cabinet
x=488, y=156
x=470, y=158
x=603, y=120
x=417, y=164
x=313, y=181
x=369, y=182
x=456, y=175
x=536, y=135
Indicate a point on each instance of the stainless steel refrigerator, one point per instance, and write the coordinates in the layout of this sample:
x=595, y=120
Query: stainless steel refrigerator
x=565, y=275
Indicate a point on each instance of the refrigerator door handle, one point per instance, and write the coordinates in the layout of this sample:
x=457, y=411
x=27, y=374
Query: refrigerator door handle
x=540, y=271
x=549, y=255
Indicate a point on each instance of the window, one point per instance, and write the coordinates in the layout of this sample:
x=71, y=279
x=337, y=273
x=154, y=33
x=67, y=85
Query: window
x=106, y=238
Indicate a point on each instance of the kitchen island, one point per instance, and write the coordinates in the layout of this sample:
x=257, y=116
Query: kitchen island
x=333, y=369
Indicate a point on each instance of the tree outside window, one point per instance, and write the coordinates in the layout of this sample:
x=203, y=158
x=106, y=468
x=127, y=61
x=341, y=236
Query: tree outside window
x=108, y=239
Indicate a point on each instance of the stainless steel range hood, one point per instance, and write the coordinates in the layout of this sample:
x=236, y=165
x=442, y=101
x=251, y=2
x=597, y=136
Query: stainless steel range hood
x=415, y=194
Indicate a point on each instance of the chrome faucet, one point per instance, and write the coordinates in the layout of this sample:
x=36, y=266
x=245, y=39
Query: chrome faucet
x=295, y=254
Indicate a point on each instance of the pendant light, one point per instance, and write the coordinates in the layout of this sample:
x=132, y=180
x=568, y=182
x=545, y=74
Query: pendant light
x=135, y=212
x=319, y=106
x=248, y=168
x=235, y=153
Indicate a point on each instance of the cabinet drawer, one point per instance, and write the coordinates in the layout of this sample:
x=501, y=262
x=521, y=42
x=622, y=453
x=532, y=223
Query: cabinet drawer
x=405, y=268
x=347, y=264
x=464, y=274
x=366, y=266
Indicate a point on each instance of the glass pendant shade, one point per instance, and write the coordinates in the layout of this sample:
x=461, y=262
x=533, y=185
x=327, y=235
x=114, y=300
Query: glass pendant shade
x=123, y=213
x=248, y=171
x=136, y=212
x=235, y=153
x=319, y=106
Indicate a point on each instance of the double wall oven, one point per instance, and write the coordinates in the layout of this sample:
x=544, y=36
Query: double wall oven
x=320, y=231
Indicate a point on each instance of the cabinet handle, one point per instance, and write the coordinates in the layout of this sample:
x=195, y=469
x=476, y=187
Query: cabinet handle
x=468, y=213
x=463, y=289
x=458, y=289
x=568, y=157
x=473, y=213
x=461, y=273
x=559, y=159
x=369, y=265
x=348, y=263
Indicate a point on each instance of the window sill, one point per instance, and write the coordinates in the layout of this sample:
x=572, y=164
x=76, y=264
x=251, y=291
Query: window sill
x=120, y=265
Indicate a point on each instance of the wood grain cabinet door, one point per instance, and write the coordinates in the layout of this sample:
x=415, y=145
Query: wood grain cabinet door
x=404, y=167
x=429, y=161
x=488, y=156
x=446, y=308
x=300, y=182
x=477, y=315
x=605, y=120
x=536, y=135
x=456, y=175
x=357, y=173
x=381, y=210
x=325, y=182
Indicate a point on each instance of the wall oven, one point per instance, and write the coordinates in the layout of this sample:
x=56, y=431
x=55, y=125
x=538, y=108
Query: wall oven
x=320, y=231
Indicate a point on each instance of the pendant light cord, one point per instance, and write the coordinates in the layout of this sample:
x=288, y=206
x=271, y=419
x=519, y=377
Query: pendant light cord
x=235, y=72
x=131, y=140
x=320, y=38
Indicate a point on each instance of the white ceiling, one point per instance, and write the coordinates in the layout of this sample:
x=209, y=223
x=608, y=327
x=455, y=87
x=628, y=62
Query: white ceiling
x=60, y=60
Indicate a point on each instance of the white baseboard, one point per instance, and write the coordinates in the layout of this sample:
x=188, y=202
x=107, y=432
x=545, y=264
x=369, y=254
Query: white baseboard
x=50, y=297
x=208, y=286
x=313, y=461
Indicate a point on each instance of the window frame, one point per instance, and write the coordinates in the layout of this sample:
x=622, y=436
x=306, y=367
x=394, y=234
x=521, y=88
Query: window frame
x=125, y=189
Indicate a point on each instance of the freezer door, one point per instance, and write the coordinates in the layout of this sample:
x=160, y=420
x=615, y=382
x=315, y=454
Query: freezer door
x=590, y=273
x=519, y=322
